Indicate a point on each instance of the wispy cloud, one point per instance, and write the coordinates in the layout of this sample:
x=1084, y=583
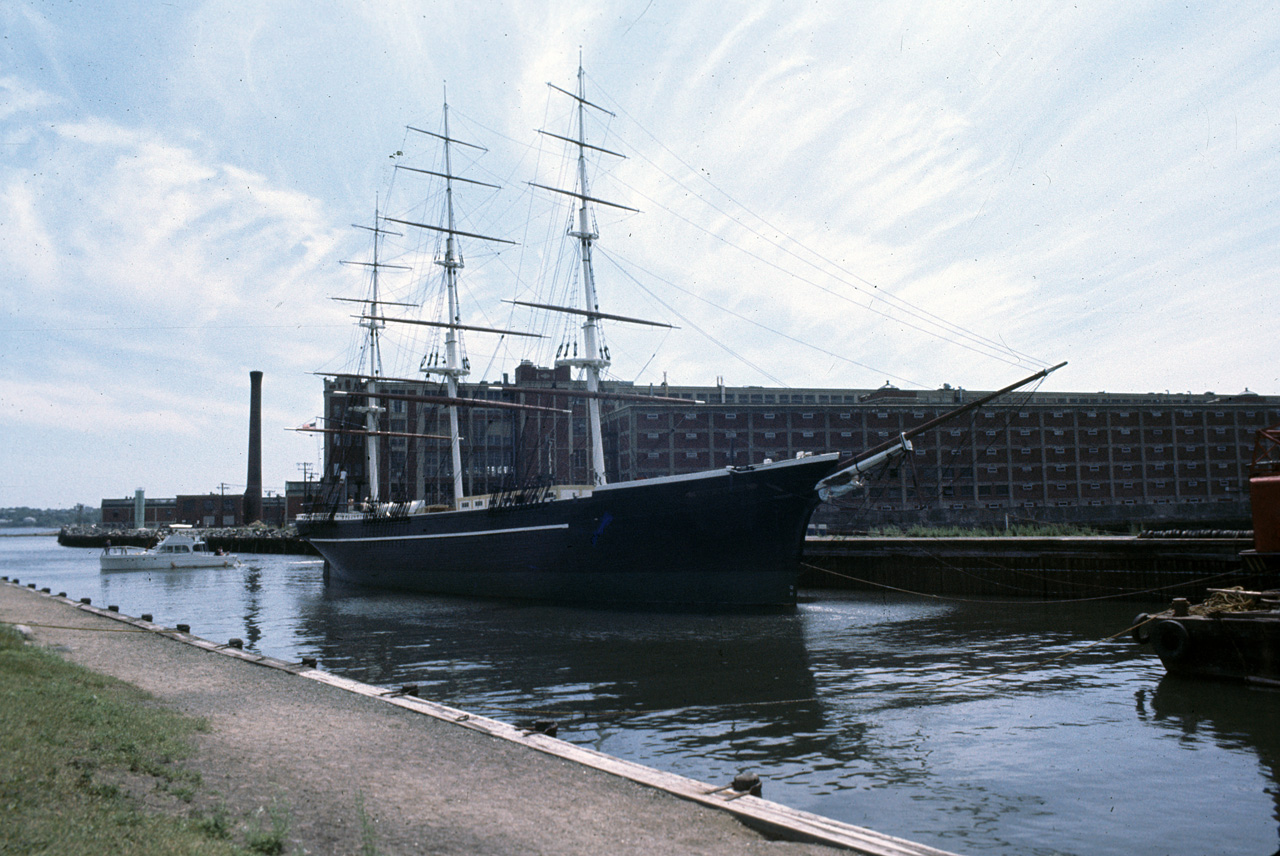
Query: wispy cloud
x=146, y=280
x=1091, y=182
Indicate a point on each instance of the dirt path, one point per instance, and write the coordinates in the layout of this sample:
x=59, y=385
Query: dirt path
x=316, y=753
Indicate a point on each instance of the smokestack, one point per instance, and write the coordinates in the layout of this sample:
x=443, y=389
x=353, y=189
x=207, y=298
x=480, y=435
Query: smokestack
x=253, y=481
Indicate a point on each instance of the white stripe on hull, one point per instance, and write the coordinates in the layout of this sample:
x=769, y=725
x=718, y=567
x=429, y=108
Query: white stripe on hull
x=443, y=534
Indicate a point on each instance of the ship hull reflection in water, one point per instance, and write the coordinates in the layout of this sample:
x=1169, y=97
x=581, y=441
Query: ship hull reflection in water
x=595, y=671
x=974, y=727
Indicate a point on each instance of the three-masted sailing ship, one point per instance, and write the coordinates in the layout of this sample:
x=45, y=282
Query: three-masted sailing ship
x=723, y=538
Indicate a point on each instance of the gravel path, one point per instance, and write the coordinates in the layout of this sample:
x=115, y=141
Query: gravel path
x=318, y=753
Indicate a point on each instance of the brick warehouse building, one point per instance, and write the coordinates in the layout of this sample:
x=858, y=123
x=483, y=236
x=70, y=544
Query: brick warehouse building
x=1091, y=458
x=209, y=510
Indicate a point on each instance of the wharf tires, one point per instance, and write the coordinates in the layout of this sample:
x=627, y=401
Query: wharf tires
x=1142, y=628
x=1171, y=640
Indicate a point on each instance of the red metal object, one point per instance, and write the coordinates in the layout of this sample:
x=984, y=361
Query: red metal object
x=1264, y=490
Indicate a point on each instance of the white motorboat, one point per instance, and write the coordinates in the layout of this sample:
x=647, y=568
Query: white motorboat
x=175, y=551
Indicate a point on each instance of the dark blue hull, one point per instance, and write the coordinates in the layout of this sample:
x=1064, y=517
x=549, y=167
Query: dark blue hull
x=715, y=540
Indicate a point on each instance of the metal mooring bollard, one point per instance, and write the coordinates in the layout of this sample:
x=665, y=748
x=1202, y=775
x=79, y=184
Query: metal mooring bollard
x=309, y=661
x=86, y=600
x=113, y=608
x=748, y=783
x=236, y=643
x=183, y=628
x=146, y=616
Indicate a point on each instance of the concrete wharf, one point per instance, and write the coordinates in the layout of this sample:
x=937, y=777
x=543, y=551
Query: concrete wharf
x=433, y=778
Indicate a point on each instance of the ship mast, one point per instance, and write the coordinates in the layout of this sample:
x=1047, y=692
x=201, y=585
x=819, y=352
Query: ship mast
x=594, y=361
x=454, y=367
x=595, y=358
x=596, y=355
x=455, y=364
x=373, y=320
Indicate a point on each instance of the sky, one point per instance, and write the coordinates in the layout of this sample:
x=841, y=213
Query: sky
x=828, y=194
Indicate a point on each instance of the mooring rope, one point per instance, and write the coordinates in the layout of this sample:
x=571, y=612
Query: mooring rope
x=579, y=716
x=1004, y=566
x=584, y=716
x=1039, y=577
x=1055, y=658
x=1124, y=594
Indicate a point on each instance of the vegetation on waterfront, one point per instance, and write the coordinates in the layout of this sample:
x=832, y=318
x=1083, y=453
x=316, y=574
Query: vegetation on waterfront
x=1014, y=530
x=89, y=764
x=51, y=518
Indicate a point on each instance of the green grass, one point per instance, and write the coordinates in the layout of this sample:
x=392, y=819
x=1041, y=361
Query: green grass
x=368, y=834
x=271, y=833
x=81, y=754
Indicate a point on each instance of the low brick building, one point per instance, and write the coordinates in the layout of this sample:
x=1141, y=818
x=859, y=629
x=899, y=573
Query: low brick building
x=210, y=509
x=122, y=513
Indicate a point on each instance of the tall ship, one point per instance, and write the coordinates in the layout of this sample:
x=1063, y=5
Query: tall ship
x=727, y=538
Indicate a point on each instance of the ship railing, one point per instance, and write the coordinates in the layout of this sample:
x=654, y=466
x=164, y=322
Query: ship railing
x=388, y=510
x=316, y=517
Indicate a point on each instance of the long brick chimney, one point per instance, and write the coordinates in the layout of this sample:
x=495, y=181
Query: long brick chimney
x=253, y=481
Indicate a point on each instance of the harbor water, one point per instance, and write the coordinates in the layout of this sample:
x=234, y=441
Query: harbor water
x=975, y=726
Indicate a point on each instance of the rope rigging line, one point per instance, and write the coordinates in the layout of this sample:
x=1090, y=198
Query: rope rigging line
x=585, y=716
x=1048, y=660
x=861, y=507
x=688, y=321
x=1117, y=596
x=998, y=350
